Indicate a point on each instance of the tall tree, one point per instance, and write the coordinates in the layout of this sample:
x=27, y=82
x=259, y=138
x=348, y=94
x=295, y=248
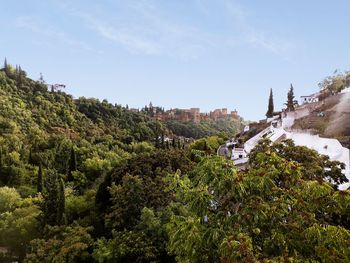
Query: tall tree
x=40, y=179
x=41, y=79
x=53, y=200
x=5, y=63
x=30, y=158
x=61, y=203
x=19, y=75
x=270, y=108
x=6, y=67
x=72, y=166
x=290, y=99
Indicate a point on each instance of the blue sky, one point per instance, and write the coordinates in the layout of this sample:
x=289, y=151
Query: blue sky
x=179, y=53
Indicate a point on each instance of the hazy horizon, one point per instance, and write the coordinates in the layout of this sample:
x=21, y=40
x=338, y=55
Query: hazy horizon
x=198, y=53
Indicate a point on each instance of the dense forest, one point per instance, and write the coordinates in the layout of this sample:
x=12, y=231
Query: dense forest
x=86, y=181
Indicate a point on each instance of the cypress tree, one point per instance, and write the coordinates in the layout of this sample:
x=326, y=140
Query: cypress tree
x=30, y=158
x=270, y=109
x=178, y=144
x=51, y=207
x=19, y=77
x=72, y=166
x=40, y=180
x=6, y=67
x=61, y=218
x=290, y=99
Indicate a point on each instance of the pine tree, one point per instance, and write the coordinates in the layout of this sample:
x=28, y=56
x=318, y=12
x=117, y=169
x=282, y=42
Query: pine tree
x=40, y=180
x=270, y=109
x=72, y=166
x=290, y=99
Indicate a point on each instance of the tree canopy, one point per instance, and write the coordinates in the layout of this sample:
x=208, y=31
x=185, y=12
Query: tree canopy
x=83, y=180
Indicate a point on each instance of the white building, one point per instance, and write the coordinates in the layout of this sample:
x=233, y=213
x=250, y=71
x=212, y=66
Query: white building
x=309, y=99
x=238, y=153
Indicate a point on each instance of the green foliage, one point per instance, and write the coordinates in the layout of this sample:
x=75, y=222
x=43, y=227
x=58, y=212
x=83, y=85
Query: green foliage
x=271, y=211
x=208, y=144
x=72, y=167
x=18, y=221
x=116, y=191
x=336, y=83
x=313, y=165
x=78, y=207
x=146, y=243
x=127, y=199
x=9, y=199
x=68, y=244
x=54, y=200
x=290, y=99
x=204, y=128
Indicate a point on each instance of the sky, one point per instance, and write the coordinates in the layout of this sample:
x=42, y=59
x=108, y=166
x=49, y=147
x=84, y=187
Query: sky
x=179, y=53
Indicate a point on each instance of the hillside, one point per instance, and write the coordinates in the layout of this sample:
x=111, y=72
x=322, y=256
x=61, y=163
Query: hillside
x=86, y=181
x=328, y=118
x=33, y=109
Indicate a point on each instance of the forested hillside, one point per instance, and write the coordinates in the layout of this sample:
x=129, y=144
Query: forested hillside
x=204, y=128
x=87, y=181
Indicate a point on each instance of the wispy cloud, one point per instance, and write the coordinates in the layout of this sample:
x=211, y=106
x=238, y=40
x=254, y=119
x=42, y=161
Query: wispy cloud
x=145, y=27
x=38, y=26
x=275, y=45
x=255, y=36
x=152, y=34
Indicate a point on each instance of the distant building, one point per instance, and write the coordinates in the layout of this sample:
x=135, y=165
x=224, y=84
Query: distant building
x=309, y=99
x=192, y=114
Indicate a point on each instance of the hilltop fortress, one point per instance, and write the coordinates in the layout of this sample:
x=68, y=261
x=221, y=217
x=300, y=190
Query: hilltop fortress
x=189, y=115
